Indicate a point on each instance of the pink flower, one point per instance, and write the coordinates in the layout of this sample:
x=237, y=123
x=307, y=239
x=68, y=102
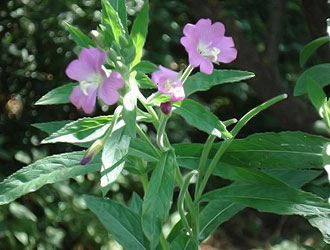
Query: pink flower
x=168, y=83
x=94, y=80
x=206, y=44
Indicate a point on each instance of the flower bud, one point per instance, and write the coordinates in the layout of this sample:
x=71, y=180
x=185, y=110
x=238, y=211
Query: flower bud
x=112, y=55
x=166, y=107
x=123, y=41
x=93, y=150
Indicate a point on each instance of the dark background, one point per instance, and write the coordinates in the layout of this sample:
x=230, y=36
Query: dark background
x=35, y=50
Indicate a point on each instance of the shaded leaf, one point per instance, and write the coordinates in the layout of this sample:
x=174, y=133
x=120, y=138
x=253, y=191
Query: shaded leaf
x=48, y=170
x=319, y=73
x=203, y=82
x=58, y=95
x=311, y=47
x=199, y=117
x=80, y=38
x=158, y=198
x=121, y=222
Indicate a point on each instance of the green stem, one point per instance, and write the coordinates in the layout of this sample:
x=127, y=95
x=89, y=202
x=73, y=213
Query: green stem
x=114, y=120
x=326, y=115
x=186, y=73
x=151, y=111
x=203, y=160
x=241, y=123
x=162, y=140
x=146, y=139
x=182, y=195
x=144, y=175
x=163, y=242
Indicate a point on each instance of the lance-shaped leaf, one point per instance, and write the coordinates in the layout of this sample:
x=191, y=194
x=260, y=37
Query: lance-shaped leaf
x=129, y=112
x=83, y=130
x=141, y=149
x=145, y=67
x=140, y=30
x=120, y=221
x=202, y=82
x=322, y=223
x=50, y=127
x=120, y=7
x=271, y=198
x=199, y=117
x=111, y=20
x=80, y=38
x=319, y=73
x=60, y=95
x=310, y=48
x=114, y=151
x=316, y=95
x=158, y=198
x=285, y=150
x=45, y=171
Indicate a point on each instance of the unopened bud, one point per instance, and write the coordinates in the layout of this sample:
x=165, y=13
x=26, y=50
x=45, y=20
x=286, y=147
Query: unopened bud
x=123, y=41
x=112, y=55
x=93, y=150
x=166, y=107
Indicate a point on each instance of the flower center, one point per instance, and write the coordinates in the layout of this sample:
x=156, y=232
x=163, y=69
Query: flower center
x=168, y=85
x=207, y=51
x=95, y=80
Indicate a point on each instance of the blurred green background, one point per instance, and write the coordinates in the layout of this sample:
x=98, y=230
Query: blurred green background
x=35, y=50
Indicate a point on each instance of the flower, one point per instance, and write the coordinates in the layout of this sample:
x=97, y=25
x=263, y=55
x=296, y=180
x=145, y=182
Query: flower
x=94, y=80
x=168, y=83
x=206, y=43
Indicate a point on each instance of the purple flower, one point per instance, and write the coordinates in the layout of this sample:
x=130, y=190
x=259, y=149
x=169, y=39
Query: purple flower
x=168, y=83
x=94, y=80
x=206, y=44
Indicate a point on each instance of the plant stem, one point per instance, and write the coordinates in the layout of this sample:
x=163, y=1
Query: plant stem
x=144, y=175
x=186, y=73
x=203, y=161
x=163, y=242
x=147, y=140
x=241, y=123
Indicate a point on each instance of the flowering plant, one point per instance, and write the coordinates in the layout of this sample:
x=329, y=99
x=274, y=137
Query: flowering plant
x=268, y=171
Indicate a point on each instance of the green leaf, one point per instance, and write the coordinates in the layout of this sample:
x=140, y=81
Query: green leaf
x=80, y=38
x=316, y=94
x=59, y=95
x=120, y=221
x=50, y=127
x=48, y=170
x=319, y=73
x=111, y=20
x=310, y=48
x=199, y=117
x=144, y=82
x=182, y=241
x=202, y=82
x=271, y=198
x=145, y=67
x=214, y=214
x=83, y=130
x=322, y=223
x=140, y=30
x=158, y=198
x=120, y=7
x=129, y=112
x=285, y=150
x=114, y=151
x=136, y=204
x=139, y=148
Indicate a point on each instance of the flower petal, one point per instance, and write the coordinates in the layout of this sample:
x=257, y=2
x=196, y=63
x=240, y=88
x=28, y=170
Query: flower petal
x=88, y=102
x=227, y=55
x=79, y=71
x=108, y=91
x=206, y=67
x=80, y=100
x=94, y=58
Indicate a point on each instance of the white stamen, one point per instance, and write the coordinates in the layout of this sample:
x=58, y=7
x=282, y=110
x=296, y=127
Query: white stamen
x=209, y=52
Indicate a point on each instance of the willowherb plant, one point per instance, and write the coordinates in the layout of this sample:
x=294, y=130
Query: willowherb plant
x=271, y=172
